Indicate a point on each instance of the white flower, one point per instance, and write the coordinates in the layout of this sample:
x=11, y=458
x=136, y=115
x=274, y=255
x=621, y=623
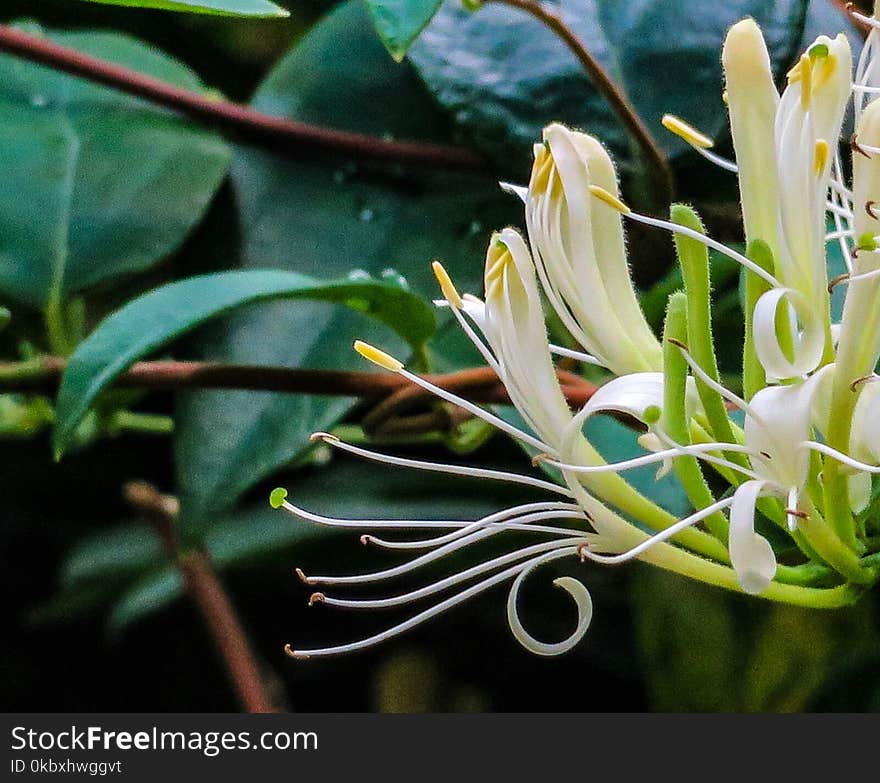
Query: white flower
x=784, y=181
x=809, y=446
x=580, y=252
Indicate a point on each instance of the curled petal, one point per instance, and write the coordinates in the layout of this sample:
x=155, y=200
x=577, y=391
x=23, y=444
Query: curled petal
x=751, y=555
x=778, y=423
x=577, y=590
x=809, y=343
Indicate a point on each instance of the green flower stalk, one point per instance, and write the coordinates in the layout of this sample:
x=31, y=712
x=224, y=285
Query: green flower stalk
x=809, y=444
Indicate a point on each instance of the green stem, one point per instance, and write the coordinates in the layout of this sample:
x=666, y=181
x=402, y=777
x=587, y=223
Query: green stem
x=143, y=423
x=56, y=327
x=694, y=260
x=675, y=422
x=831, y=548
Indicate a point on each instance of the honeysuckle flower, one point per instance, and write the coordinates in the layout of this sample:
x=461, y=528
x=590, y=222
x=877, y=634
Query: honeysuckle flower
x=809, y=444
x=784, y=181
x=580, y=252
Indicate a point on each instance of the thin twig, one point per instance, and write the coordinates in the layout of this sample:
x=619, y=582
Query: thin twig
x=205, y=589
x=478, y=384
x=384, y=419
x=282, y=135
x=607, y=88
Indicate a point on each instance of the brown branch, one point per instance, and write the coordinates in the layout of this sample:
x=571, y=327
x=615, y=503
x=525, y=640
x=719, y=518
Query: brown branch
x=608, y=89
x=479, y=384
x=282, y=135
x=383, y=419
x=205, y=589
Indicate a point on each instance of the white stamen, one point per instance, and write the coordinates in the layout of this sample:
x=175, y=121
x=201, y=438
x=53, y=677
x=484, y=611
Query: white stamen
x=694, y=450
x=427, y=614
x=840, y=456
x=439, y=467
x=714, y=385
x=410, y=565
x=657, y=538
x=709, y=242
x=861, y=276
x=472, y=335
x=429, y=543
x=508, y=516
x=718, y=160
x=476, y=410
x=454, y=579
x=868, y=20
x=578, y=355
x=573, y=587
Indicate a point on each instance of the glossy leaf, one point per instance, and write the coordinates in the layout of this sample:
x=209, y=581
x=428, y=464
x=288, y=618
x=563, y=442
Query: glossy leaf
x=160, y=316
x=503, y=76
x=399, y=22
x=113, y=185
x=324, y=219
x=251, y=8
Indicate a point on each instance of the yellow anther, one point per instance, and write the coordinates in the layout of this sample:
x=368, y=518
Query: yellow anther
x=446, y=285
x=824, y=69
x=542, y=170
x=497, y=259
x=374, y=355
x=686, y=131
x=820, y=158
x=803, y=73
x=610, y=199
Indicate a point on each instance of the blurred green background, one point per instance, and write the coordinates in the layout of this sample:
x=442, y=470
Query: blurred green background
x=94, y=616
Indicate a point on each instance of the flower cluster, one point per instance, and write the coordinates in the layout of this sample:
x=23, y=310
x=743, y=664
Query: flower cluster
x=796, y=449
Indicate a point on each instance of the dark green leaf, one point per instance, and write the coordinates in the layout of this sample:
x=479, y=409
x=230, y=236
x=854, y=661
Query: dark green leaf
x=503, y=76
x=125, y=550
x=252, y=8
x=162, y=315
x=399, y=22
x=96, y=184
x=321, y=219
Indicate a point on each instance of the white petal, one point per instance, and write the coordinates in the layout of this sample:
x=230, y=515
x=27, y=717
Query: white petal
x=777, y=423
x=752, y=100
x=579, y=252
x=631, y=394
x=809, y=335
x=515, y=190
x=865, y=433
x=859, y=489
x=751, y=555
x=513, y=323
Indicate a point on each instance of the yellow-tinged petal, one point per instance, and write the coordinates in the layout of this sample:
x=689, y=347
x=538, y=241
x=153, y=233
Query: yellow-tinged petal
x=820, y=156
x=752, y=100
